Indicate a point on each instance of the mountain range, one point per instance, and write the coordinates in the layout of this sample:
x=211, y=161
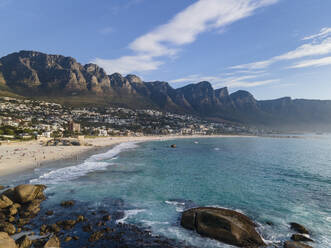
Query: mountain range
x=62, y=79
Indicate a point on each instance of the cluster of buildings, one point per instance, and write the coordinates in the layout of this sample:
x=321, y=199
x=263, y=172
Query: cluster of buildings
x=21, y=118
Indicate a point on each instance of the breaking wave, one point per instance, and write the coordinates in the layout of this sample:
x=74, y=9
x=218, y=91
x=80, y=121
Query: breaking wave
x=94, y=163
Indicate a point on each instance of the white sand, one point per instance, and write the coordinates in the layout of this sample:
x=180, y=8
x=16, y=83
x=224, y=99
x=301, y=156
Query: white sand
x=15, y=157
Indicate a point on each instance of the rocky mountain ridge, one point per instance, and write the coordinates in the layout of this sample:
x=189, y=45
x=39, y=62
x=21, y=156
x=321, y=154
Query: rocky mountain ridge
x=36, y=74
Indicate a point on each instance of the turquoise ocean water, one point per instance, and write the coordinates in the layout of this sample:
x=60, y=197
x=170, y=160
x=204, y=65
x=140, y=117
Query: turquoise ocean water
x=277, y=180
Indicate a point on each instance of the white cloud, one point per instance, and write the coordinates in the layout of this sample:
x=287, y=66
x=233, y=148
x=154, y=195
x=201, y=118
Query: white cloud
x=312, y=49
x=313, y=63
x=197, y=78
x=184, y=28
x=246, y=81
x=305, y=50
x=254, y=66
x=249, y=84
x=128, y=64
x=322, y=34
x=243, y=81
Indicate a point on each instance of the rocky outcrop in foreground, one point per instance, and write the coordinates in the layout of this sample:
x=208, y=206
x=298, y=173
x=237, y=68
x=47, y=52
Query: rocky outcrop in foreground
x=25, y=224
x=66, y=226
x=18, y=206
x=225, y=225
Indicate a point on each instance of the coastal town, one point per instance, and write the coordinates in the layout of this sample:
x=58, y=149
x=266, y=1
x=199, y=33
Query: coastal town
x=25, y=119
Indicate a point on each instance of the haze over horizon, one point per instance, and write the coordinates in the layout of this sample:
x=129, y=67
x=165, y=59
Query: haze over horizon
x=272, y=48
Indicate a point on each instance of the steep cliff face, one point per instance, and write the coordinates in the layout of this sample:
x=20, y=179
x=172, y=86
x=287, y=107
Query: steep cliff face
x=98, y=80
x=36, y=74
x=32, y=72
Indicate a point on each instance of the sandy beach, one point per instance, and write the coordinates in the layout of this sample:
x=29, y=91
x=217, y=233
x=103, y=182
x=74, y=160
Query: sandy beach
x=20, y=156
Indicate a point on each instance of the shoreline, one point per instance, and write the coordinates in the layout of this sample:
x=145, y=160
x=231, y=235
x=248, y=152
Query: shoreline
x=23, y=156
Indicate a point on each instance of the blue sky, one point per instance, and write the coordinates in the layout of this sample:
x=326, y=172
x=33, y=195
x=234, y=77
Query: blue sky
x=272, y=48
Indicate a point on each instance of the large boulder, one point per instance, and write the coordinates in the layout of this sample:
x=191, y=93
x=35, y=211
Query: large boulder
x=27, y=192
x=294, y=244
x=299, y=228
x=68, y=204
x=6, y=241
x=225, y=225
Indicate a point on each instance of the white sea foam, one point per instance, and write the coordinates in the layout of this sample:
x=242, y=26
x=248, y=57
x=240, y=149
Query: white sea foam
x=93, y=163
x=180, y=206
x=153, y=223
x=30, y=234
x=175, y=203
x=129, y=213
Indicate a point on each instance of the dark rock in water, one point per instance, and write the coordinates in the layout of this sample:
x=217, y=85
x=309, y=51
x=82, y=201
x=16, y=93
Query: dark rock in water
x=55, y=228
x=269, y=223
x=87, y=228
x=294, y=244
x=53, y=242
x=75, y=237
x=6, y=241
x=96, y=236
x=173, y=146
x=299, y=228
x=24, y=242
x=67, y=224
x=67, y=204
x=2, y=187
x=299, y=237
x=106, y=217
x=67, y=239
x=7, y=228
x=49, y=212
x=80, y=218
x=225, y=225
